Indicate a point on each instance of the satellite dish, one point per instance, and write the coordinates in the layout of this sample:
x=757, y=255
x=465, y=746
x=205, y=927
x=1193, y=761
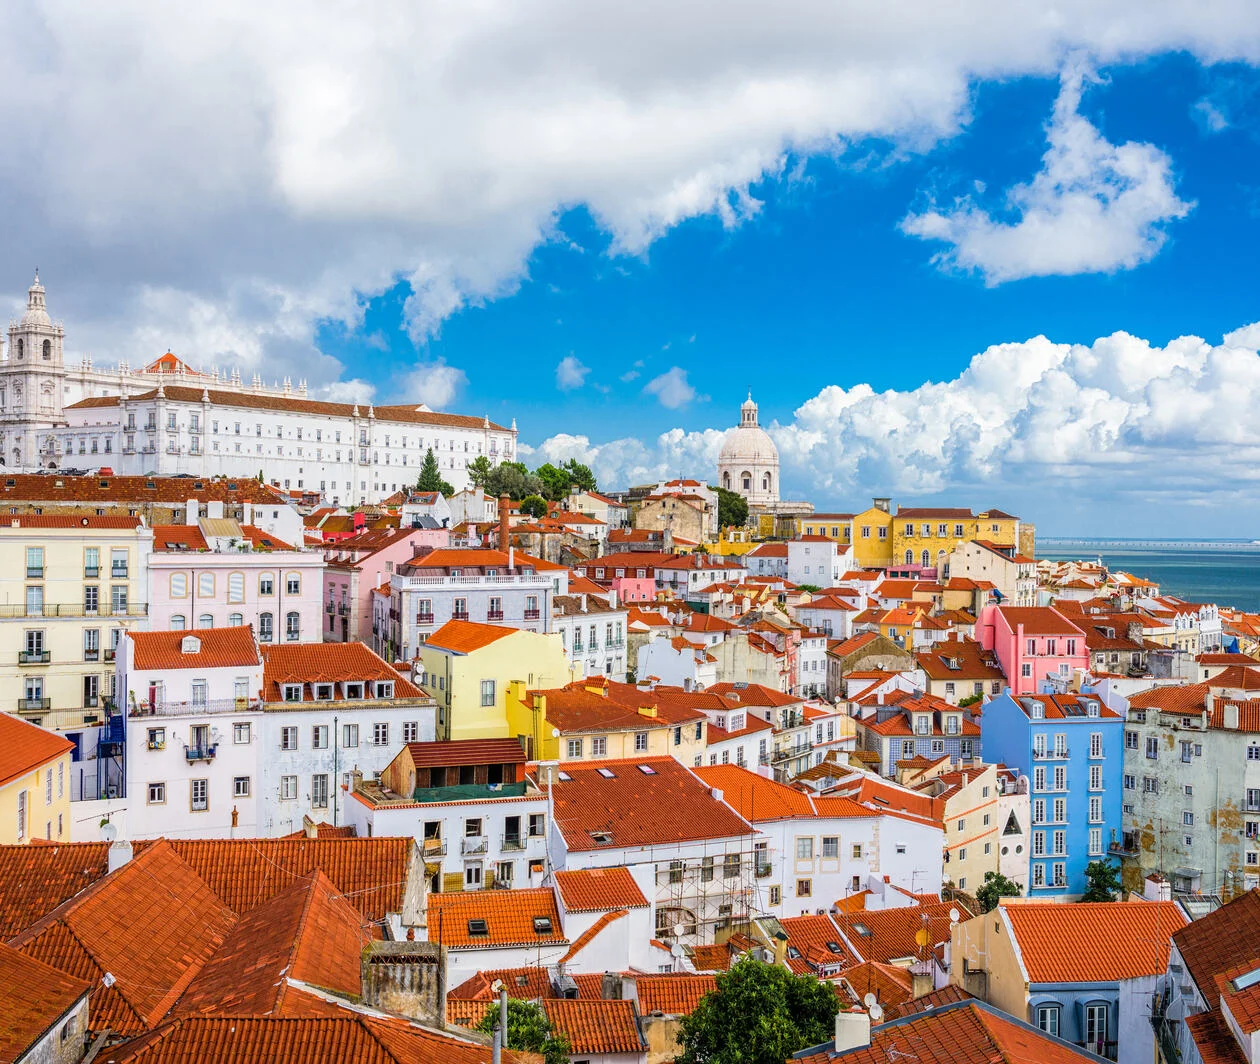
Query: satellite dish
x=555, y=733
x=678, y=950
x=497, y=985
x=678, y=930
x=870, y=1000
x=108, y=832
x=954, y=916
x=921, y=936
x=877, y=1013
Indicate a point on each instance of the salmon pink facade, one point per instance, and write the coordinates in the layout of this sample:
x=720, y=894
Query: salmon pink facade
x=1032, y=643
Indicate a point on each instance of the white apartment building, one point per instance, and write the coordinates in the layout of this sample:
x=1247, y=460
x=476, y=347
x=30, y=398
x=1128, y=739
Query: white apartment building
x=593, y=633
x=465, y=584
x=229, y=739
x=816, y=560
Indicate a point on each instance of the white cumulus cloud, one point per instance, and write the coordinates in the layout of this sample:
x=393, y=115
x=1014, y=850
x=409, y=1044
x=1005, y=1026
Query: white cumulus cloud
x=434, y=383
x=671, y=388
x=1094, y=207
x=570, y=373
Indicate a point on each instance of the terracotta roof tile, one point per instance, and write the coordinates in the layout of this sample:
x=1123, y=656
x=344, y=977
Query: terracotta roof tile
x=1093, y=941
x=1221, y=941
x=25, y=747
x=596, y=1026
x=816, y=942
x=576, y=708
x=890, y=984
x=34, y=880
x=599, y=889
x=215, y=648
x=453, y=752
x=46, y=994
x=327, y=663
x=675, y=993
x=123, y=490
x=631, y=807
x=889, y=935
x=934, y=999
x=591, y=933
x=1038, y=620
x=463, y=637
x=178, y=537
x=510, y=917
x=1214, y=1039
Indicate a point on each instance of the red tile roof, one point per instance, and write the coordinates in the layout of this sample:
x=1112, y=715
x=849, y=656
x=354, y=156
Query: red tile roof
x=675, y=993
x=25, y=747
x=1038, y=620
x=631, y=807
x=1219, y=942
x=309, y=663
x=889, y=935
x=215, y=648
x=1093, y=942
x=153, y=954
x=509, y=917
x=596, y=1026
x=34, y=880
x=890, y=984
x=178, y=537
x=598, y=890
x=463, y=637
x=816, y=942
x=753, y=694
x=70, y=521
x=576, y=708
x=467, y=752
x=31, y=487
x=38, y=996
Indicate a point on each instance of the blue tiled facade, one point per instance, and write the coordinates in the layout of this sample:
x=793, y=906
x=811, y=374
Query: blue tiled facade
x=1072, y=750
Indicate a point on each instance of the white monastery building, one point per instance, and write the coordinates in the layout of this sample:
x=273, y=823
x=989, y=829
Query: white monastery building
x=169, y=418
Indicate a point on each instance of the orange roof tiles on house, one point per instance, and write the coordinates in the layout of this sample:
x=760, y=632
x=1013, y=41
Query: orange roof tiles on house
x=890, y=984
x=1220, y=942
x=1038, y=620
x=309, y=663
x=214, y=648
x=34, y=880
x=673, y=993
x=596, y=1026
x=452, y=752
x=24, y=747
x=815, y=942
x=590, y=890
x=576, y=708
x=463, y=637
x=889, y=935
x=712, y=958
x=753, y=694
x=1093, y=941
x=1214, y=1039
x=509, y=915
x=633, y=807
x=70, y=521
x=754, y=797
x=178, y=537
x=306, y=932
x=479, y=558
x=152, y=959
x=38, y=996
x=591, y=933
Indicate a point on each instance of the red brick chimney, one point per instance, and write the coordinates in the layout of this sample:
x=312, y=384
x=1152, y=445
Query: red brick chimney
x=505, y=506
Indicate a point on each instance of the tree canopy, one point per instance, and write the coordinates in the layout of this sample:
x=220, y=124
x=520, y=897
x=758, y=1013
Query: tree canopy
x=557, y=480
x=528, y=1030
x=1104, y=881
x=479, y=469
x=759, y=1014
x=431, y=476
x=732, y=508
x=534, y=505
x=513, y=478
x=995, y=886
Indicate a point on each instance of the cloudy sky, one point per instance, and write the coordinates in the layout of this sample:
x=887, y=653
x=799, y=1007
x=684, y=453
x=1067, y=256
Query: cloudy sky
x=997, y=251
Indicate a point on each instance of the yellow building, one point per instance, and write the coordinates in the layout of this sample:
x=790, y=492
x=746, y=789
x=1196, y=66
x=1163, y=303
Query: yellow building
x=69, y=587
x=924, y=538
x=468, y=667
x=34, y=782
x=872, y=536
x=834, y=526
x=596, y=718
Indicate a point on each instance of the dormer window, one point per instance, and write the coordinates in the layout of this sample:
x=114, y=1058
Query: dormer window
x=291, y=692
x=385, y=689
x=323, y=692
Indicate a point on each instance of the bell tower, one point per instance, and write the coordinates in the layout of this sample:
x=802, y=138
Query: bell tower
x=33, y=385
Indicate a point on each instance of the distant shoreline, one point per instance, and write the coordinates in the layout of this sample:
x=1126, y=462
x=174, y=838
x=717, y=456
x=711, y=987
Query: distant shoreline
x=1062, y=544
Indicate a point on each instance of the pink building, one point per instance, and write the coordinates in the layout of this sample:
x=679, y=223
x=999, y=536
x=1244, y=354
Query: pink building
x=1031, y=643
x=357, y=565
x=218, y=573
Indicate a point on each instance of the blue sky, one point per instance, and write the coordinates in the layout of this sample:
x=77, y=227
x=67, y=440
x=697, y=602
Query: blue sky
x=820, y=286
x=610, y=221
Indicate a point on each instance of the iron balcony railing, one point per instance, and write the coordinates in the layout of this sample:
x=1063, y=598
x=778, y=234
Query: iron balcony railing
x=29, y=705
x=192, y=709
x=424, y=618
x=34, y=657
x=71, y=609
x=474, y=844
x=201, y=753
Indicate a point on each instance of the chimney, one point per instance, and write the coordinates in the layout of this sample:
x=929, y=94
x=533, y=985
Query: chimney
x=119, y=854
x=853, y=1030
x=1209, y=702
x=505, y=505
x=190, y=512
x=1229, y=716
x=408, y=978
x=610, y=986
x=247, y=513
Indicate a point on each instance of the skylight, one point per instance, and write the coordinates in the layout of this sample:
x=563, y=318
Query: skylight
x=607, y=773
x=565, y=777
x=478, y=927
x=647, y=770
x=542, y=925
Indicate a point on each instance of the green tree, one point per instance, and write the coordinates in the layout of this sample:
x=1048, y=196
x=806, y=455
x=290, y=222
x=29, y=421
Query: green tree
x=811, y=588
x=529, y=1030
x=513, y=478
x=431, y=476
x=534, y=505
x=732, y=508
x=479, y=470
x=554, y=481
x=759, y=1014
x=1104, y=881
x=995, y=886
x=580, y=474
x=970, y=700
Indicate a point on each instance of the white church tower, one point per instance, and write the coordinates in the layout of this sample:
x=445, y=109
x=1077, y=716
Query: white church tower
x=32, y=386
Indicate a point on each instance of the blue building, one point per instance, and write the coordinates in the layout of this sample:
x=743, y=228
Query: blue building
x=1071, y=747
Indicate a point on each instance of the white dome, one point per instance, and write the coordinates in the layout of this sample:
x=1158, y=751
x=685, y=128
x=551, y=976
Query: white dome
x=749, y=461
x=748, y=444
x=36, y=311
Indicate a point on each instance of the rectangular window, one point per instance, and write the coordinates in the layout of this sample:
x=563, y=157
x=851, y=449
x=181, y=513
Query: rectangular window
x=1095, y=744
x=157, y=794
x=831, y=846
x=1048, y=1019
x=380, y=734
x=289, y=738
x=487, y=692
x=537, y=822
x=1095, y=842
x=640, y=741
x=319, y=791
x=574, y=748
x=411, y=731
x=349, y=736
x=199, y=793
x=240, y=786
x=1095, y=777
x=240, y=733
x=805, y=849
x=599, y=746
x=1130, y=740
x=288, y=788
x=1152, y=747
x=804, y=888
x=319, y=737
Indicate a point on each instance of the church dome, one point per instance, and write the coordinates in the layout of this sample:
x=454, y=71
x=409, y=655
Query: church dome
x=749, y=442
x=36, y=311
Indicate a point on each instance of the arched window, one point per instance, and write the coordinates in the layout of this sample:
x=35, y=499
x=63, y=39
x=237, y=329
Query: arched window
x=206, y=620
x=21, y=348
x=205, y=585
x=236, y=587
x=47, y=350
x=765, y=482
x=726, y=477
x=292, y=627
x=179, y=585
x=178, y=622
x=265, y=628
x=235, y=620
x=927, y=558
x=909, y=557
x=746, y=478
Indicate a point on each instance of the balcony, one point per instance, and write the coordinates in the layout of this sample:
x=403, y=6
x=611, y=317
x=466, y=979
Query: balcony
x=110, y=653
x=330, y=606
x=34, y=657
x=342, y=610
x=459, y=615
x=474, y=844
x=533, y=615
x=91, y=572
x=91, y=701
x=763, y=869
x=34, y=572
x=201, y=753
x=494, y=615
x=92, y=654
x=424, y=618
x=118, y=572
x=434, y=848
x=33, y=705
x=1059, y=754
x=70, y=609
x=191, y=709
